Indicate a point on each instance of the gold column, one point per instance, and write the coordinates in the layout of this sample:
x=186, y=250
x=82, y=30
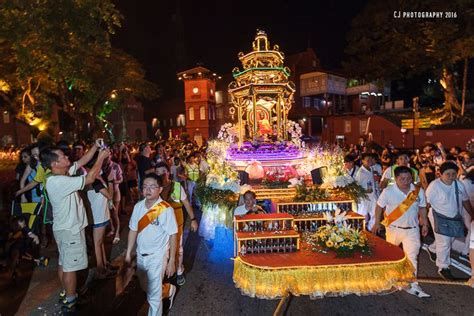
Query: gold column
x=254, y=102
x=278, y=111
x=239, y=113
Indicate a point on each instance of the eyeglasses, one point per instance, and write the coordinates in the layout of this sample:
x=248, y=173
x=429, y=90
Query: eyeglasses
x=150, y=187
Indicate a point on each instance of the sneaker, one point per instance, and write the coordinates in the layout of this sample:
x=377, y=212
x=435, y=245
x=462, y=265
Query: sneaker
x=431, y=255
x=446, y=274
x=172, y=294
x=464, y=258
x=69, y=306
x=416, y=290
x=180, y=279
x=62, y=296
x=43, y=261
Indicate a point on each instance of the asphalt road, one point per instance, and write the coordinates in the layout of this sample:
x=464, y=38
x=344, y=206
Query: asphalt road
x=209, y=290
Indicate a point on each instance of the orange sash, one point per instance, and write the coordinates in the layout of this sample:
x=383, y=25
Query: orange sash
x=402, y=208
x=152, y=215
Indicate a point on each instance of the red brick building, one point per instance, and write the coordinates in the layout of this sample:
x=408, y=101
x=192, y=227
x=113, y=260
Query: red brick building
x=200, y=102
x=386, y=126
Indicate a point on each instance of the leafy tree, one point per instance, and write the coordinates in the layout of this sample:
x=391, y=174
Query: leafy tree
x=380, y=45
x=111, y=80
x=43, y=44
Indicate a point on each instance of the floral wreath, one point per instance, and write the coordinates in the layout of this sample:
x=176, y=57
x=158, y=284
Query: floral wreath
x=294, y=129
x=227, y=133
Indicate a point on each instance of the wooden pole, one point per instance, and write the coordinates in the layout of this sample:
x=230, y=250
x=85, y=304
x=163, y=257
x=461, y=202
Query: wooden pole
x=280, y=304
x=442, y=281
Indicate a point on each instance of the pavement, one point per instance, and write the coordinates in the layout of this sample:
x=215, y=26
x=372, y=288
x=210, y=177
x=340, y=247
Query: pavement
x=209, y=290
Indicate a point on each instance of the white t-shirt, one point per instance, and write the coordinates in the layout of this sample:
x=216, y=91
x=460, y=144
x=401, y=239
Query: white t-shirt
x=365, y=179
x=392, y=197
x=352, y=172
x=68, y=210
x=240, y=210
x=203, y=166
x=469, y=186
x=155, y=237
x=442, y=197
x=99, y=207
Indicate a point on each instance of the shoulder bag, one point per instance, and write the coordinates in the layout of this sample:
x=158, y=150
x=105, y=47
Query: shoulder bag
x=449, y=226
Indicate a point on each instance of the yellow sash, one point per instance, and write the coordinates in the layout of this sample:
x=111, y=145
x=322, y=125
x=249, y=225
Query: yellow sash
x=152, y=215
x=402, y=208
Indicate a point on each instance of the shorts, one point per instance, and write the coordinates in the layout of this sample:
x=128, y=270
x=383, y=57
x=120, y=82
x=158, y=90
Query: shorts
x=72, y=250
x=103, y=224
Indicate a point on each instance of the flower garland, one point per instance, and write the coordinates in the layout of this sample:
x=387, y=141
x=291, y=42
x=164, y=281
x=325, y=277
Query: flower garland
x=338, y=236
x=294, y=129
x=351, y=191
x=228, y=133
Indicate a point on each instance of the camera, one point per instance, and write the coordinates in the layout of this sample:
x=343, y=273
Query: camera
x=102, y=145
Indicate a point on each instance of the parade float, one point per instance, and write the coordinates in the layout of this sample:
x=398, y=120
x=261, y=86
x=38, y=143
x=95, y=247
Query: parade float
x=262, y=151
x=311, y=241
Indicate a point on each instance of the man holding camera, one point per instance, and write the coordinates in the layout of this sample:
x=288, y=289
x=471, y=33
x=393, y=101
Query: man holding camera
x=69, y=214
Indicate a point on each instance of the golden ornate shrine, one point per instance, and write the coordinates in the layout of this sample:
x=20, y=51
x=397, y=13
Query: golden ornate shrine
x=261, y=93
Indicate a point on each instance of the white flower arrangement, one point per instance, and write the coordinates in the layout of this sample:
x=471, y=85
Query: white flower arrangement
x=228, y=133
x=337, y=181
x=339, y=218
x=295, y=131
x=221, y=175
x=294, y=182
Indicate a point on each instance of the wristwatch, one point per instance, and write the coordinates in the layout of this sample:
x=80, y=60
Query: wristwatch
x=193, y=219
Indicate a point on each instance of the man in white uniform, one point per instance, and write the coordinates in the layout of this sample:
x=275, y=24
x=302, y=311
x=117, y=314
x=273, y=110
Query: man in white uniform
x=446, y=196
x=365, y=178
x=153, y=228
x=350, y=167
x=403, y=204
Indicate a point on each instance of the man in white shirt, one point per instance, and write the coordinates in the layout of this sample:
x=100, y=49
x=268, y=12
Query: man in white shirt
x=350, y=167
x=250, y=205
x=365, y=178
x=69, y=214
x=446, y=196
x=403, y=204
x=153, y=228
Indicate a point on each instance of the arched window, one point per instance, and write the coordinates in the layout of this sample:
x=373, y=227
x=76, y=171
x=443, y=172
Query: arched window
x=202, y=112
x=191, y=113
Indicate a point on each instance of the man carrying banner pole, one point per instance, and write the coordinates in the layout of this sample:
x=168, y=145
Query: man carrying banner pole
x=153, y=228
x=404, y=203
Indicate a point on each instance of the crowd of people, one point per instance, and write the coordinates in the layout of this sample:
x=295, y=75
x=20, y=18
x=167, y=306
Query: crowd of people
x=430, y=189
x=83, y=190
x=80, y=193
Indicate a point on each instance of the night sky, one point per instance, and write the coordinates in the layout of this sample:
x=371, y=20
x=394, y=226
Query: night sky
x=212, y=32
